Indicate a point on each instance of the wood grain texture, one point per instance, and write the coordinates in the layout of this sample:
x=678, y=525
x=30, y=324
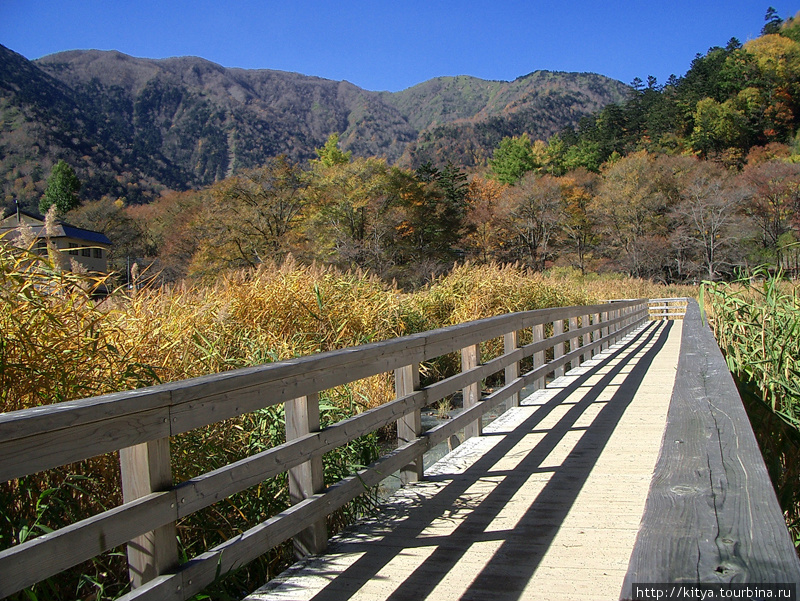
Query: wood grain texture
x=47, y=555
x=511, y=371
x=711, y=514
x=145, y=469
x=538, y=356
x=308, y=478
x=558, y=348
x=62, y=445
x=574, y=341
x=471, y=393
x=409, y=426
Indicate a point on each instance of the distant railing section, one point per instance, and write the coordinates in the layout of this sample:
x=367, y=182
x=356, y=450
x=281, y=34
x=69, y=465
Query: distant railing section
x=667, y=308
x=660, y=309
x=139, y=425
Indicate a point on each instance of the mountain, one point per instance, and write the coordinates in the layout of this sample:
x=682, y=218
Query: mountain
x=133, y=127
x=463, y=119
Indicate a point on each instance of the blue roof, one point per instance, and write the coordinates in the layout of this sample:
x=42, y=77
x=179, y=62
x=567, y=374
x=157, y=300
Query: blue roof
x=88, y=235
x=64, y=230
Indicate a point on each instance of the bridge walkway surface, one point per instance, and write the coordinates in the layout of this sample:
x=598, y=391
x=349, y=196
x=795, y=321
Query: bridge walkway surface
x=545, y=505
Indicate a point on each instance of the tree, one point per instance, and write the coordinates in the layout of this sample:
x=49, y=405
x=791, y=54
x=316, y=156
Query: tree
x=512, y=159
x=772, y=22
x=708, y=219
x=535, y=214
x=578, y=224
x=556, y=153
x=62, y=189
x=330, y=155
x=717, y=127
x=349, y=206
x=631, y=207
x=585, y=154
x=434, y=213
x=251, y=217
x=174, y=228
x=487, y=220
x=774, y=201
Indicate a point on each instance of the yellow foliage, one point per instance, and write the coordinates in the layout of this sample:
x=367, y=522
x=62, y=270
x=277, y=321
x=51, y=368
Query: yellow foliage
x=778, y=57
x=59, y=344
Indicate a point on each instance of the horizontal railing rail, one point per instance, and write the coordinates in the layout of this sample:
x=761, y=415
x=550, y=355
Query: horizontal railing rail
x=139, y=425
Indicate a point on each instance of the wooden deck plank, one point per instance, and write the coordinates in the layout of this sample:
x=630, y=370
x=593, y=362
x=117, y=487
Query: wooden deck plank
x=547, y=505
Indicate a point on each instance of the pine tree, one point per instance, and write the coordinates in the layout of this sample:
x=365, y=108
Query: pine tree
x=330, y=155
x=62, y=189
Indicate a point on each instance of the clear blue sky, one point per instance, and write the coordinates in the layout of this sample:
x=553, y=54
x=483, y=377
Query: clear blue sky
x=391, y=45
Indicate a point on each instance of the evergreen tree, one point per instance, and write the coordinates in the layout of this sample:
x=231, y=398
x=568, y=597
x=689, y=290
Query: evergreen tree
x=513, y=159
x=330, y=155
x=62, y=189
x=772, y=22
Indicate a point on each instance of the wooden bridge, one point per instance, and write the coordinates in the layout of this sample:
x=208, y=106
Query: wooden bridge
x=624, y=457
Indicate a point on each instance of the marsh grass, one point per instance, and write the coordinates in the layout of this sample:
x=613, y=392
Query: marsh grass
x=757, y=324
x=59, y=342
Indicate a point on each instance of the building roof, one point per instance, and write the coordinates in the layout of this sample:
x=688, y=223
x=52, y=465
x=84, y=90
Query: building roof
x=61, y=230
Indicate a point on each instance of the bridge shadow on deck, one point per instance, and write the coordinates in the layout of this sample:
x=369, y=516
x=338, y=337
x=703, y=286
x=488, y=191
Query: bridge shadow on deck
x=469, y=521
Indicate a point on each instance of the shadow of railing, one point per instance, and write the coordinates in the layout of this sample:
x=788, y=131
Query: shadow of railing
x=404, y=528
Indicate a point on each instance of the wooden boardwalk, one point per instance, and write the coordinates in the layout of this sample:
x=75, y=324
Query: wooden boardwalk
x=546, y=505
x=637, y=467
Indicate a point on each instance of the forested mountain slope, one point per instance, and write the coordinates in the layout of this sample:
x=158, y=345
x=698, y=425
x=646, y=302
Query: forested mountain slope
x=133, y=127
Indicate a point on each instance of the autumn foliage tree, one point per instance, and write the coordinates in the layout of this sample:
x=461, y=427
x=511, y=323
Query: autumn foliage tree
x=773, y=203
x=252, y=217
x=579, y=223
x=708, y=225
x=631, y=207
x=535, y=217
x=486, y=218
x=349, y=213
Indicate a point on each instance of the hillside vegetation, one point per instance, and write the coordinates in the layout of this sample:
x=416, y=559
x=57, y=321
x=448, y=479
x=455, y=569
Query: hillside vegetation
x=262, y=226
x=698, y=178
x=134, y=127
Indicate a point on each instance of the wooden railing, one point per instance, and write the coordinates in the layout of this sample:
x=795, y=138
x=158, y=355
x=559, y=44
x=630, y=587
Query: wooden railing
x=668, y=308
x=139, y=425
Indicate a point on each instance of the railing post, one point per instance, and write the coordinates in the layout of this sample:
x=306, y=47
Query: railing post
x=510, y=344
x=573, y=343
x=538, y=358
x=596, y=332
x=586, y=339
x=471, y=394
x=307, y=479
x=605, y=330
x=145, y=468
x=409, y=426
x=558, y=349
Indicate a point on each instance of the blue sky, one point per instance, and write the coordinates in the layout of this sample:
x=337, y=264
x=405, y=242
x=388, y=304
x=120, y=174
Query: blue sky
x=393, y=45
